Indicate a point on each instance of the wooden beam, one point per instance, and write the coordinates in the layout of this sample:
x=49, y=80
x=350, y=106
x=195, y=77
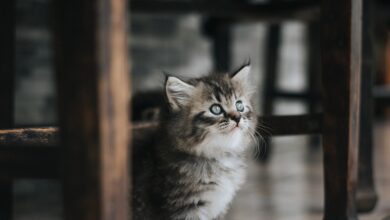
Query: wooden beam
x=341, y=65
x=92, y=73
x=50, y=136
x=273, y=11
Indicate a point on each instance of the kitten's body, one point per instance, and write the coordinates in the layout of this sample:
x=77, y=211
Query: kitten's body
x=193, y=164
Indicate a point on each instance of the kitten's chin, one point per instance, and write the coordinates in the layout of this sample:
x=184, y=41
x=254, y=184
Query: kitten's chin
x=217, y=144
x=233, y=130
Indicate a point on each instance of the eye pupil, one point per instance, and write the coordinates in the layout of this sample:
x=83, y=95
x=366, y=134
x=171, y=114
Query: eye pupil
x=239, y=106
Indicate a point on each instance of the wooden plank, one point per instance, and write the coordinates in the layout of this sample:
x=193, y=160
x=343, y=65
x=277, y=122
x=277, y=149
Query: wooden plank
x=45, y=136
x=341, y=58
x=7, y=69
x=366, y=197
x=241, y=10
x=91, y=64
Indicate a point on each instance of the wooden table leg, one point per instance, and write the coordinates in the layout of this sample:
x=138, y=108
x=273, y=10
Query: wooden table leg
x=366, y=195
x=7, y=52
x=272, y=44
x=313, y=75
x=92, y=73
x=341, y=59
x=221, y=35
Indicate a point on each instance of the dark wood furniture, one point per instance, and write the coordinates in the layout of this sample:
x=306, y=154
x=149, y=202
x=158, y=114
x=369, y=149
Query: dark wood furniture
x=90, y=153
x=93, y=86
x=7, y=42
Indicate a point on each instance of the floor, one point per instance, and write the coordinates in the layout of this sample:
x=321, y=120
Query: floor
x=288, y=188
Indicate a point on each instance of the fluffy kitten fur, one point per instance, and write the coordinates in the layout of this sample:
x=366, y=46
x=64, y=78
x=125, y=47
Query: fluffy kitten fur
x=192, y=165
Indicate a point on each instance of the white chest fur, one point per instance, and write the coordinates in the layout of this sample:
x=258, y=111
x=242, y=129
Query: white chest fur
x=227, y=184
x=228, y=174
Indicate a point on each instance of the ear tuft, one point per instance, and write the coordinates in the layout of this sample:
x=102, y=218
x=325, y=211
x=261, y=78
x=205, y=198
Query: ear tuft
x=178, y=92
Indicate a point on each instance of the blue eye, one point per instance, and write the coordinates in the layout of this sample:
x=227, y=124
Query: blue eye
x=239, y=106
x=216, y=109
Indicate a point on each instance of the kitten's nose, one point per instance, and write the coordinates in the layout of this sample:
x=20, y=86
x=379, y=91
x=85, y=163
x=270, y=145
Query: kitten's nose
x=235, y=117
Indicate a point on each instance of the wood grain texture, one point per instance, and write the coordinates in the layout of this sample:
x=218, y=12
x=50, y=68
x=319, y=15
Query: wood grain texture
x=92, y=73
x=341, y=64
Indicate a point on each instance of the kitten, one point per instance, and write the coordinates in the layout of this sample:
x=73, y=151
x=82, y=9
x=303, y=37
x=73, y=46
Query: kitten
x=191, y=166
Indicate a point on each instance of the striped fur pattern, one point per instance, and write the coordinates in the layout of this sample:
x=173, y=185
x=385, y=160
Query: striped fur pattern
x=192, y=165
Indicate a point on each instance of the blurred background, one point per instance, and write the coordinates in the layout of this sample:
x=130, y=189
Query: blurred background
x=287, y=185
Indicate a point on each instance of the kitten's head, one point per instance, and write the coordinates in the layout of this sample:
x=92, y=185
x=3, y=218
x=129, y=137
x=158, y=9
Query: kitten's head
x=213, y=114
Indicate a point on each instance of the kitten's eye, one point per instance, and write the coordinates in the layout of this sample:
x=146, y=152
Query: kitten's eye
x=239, y=106
x=216, y=109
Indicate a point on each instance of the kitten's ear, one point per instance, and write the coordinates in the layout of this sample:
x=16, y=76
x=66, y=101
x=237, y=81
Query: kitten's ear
x=242, y=75
x=178, y=92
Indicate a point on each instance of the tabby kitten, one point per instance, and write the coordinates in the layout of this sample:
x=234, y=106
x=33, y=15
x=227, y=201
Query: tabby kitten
x=191, y=166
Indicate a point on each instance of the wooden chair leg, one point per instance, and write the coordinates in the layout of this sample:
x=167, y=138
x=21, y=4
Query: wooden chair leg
x=7, y=45
x=220, y=34
x=222, y=47
x=341, y=56
x=313, y=75
x=366, y=194
x=91, y=65
x=270, y=69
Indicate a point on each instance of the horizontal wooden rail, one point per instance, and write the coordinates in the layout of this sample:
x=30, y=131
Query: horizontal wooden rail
x=33, y=152
x=382, y=95
x=299, y=10
x=290, y=125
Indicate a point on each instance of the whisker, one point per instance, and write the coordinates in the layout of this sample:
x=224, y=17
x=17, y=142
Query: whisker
x=266, y=130
x=255, y=136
